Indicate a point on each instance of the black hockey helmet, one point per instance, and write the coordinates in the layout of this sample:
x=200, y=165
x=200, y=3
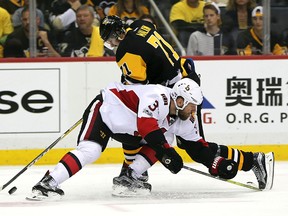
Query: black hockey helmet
x=111, y=26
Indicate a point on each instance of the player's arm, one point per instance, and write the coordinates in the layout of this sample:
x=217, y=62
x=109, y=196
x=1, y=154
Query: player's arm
x=153, y=135
x=200, y=152
x=151, y=109
x=188, y=69
x=133, y=68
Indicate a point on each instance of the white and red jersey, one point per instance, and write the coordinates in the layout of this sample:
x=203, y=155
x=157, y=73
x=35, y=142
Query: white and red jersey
x=140, y=109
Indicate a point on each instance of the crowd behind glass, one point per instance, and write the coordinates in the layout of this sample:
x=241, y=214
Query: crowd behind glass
x=70, y=28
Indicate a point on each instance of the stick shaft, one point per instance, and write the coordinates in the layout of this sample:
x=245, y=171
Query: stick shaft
x=41, y=154
x=221, y=179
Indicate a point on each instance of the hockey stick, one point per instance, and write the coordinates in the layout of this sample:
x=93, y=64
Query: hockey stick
x=221, y=179
x=41, y=154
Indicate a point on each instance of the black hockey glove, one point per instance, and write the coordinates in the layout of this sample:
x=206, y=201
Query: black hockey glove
x=170, y=159
x=164, y=153
x=226, y=169
x=190, y=70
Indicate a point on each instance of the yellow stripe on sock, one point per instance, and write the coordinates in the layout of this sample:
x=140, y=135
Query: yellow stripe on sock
x=230, y=153
x=241, y=161
x=131, y=152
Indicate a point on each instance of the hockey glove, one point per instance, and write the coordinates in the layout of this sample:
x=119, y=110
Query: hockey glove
x=170, y=159
x=164, y=153
x=190, y=70
x=226, y=169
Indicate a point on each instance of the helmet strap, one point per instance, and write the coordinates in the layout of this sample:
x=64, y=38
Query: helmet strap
x=176, y=105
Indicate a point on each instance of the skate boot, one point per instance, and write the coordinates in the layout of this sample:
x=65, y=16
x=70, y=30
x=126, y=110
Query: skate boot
x=144, y=177
x=46, y=188
x=128, y=185
x=263, y=168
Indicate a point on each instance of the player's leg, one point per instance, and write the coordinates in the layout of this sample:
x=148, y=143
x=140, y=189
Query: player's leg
x=92, y=140
x=130, y=152
x=260, y=163
x=130, y=183
x=206, y=152
x=49, y=186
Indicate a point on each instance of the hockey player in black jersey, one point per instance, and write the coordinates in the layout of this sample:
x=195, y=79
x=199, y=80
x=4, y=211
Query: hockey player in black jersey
x=145, y=57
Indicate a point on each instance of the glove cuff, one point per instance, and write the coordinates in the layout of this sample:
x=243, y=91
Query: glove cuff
x=215, y=165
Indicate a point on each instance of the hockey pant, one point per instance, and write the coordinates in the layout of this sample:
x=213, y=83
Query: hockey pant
x=92, y=141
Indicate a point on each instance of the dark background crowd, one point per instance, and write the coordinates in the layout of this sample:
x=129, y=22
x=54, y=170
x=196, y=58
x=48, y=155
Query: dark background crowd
x=71, y=27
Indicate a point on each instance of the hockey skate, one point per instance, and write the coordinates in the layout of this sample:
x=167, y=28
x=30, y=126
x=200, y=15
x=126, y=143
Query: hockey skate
x=46, y=189
x=144, y=177
x=263, y=168
x=128, y=185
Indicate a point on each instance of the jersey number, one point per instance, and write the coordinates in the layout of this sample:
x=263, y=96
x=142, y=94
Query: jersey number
x=154, y=106
x=156, y=41
x=124, y=68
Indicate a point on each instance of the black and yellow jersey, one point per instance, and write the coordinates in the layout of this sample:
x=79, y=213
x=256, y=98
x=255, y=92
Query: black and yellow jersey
x=145, y=57
x=248, y=43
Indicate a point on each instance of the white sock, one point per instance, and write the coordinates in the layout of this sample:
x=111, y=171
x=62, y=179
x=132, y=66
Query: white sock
x=87, y=152
x=140, y=165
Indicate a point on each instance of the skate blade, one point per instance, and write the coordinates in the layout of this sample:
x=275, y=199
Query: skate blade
x=35, y=198
x=120, y=191
x=270, y=163
x=253, y=184
x=38, y=196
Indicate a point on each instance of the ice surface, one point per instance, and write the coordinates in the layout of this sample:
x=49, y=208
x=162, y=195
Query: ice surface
x=189, y=193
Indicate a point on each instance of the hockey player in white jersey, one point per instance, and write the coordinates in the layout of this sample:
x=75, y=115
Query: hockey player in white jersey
x=152, y=115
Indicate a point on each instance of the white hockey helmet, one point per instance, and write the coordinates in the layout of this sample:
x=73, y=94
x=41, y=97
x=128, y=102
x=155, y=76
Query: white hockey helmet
x=189, y=90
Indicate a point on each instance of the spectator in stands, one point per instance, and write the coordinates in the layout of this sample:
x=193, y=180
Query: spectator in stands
x=211, y=40
x=284, y=37
x=13, y=49
x=11, y=5
x=16, y=17
x=5, y=28
x=62, y=14
x=278, y=3
x=186, y=17
x=238, y=16
x=128, y=10
x=220, y=3
x=44, y=5
x=84, y=40
x=250, y=41
x=44, y=46
x=102, y=7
